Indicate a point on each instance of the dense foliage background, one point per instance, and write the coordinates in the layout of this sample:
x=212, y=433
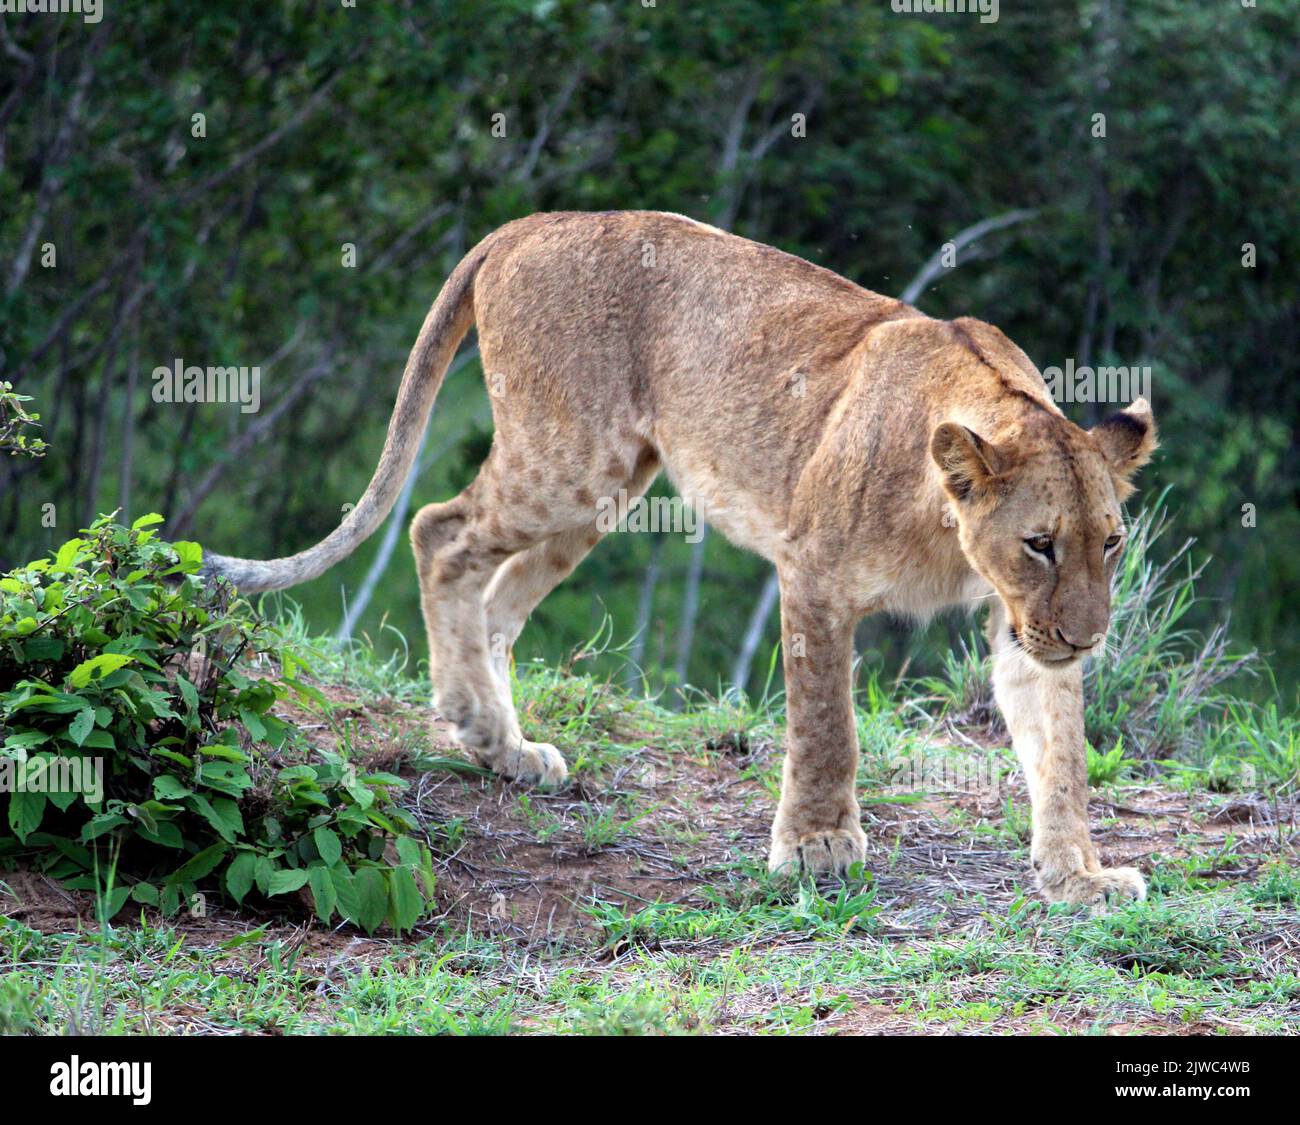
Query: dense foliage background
x=134, y=233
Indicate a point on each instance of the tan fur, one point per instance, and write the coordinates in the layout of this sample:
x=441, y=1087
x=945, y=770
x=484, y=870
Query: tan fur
x=880, y=459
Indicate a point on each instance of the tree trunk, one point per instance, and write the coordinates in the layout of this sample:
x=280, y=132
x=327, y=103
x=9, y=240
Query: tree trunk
x=644, y=609
x=754, y=631
x=690, y=610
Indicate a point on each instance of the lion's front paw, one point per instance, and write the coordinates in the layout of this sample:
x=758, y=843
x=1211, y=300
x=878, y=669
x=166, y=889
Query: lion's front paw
x=1098, y=890
x=827, y=851
x=532, y=763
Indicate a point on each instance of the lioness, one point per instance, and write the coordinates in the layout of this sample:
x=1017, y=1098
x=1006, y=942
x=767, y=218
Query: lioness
x=882, y=460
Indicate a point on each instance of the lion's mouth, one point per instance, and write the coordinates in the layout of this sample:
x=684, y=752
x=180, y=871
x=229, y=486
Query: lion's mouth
x=1054, y=659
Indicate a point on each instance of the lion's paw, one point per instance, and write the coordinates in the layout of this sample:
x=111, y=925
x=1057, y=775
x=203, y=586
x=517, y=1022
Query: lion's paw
x=1098, y=890
x=828, y=851
x=532, y=763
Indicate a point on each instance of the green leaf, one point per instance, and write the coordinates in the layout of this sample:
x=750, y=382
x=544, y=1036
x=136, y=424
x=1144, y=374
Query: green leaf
x=98, y=825
x=166, y=834
x=196, y=867
x=287, y=879
x=246, y=938
x=263, y=870
x=172, y=756
x=324, y=896
x=239, y=875
x=190, y=556
x=405, y=902
x=145, y=816
x=66, y=558
x=329, y=845
x=188, y=692
x=409, y=851
x=345, y=888
x=25, y=813
x=96, y=666
x=63, y=799
x=229, y=813
x=43, y=699
x=253, y=724
x=226, y=753
x=372, y=898
x=74, y=852
x=168, y=788
x=146, y=893
x=42, y=648
x=225, y=777
x=222, y=813
x=358, y=791
x=81, y=726
x=109, y=904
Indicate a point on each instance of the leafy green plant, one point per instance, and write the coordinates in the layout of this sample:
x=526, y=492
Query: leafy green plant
x=1110, y=766
x=1265, y=740
x=14, y=420
x=18, y=1007
x=125, y=672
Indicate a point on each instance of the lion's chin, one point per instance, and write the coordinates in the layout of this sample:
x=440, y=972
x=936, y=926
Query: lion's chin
x=1057, y=662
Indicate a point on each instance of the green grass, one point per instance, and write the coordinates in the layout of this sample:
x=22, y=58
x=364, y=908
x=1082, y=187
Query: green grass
x=772, y=968
x=674, y=927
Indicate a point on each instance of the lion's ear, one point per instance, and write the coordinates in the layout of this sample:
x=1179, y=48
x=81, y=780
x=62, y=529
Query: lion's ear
x=1127, y=439
x=968, y=463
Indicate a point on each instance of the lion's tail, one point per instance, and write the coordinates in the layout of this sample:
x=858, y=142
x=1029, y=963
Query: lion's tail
x=444, y=328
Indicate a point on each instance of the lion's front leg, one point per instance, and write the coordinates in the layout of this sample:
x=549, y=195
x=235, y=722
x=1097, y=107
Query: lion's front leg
x=817, y=826
x=1044, y=712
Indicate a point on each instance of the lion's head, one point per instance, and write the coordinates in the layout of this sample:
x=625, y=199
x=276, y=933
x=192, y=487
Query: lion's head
x=1040, y=520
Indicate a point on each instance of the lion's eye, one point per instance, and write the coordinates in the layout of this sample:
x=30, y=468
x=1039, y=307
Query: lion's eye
x=1040, y=544
x=1113, y=542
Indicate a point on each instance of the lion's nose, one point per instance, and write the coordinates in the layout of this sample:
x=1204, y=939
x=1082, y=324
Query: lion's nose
x=1059, y=635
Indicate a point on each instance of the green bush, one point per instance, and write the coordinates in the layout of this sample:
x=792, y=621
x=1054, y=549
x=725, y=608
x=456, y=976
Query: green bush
x=117, y=652
x=15, y=421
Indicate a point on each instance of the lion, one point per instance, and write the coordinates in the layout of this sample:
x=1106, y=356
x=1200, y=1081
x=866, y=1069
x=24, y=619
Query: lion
x=882, y=460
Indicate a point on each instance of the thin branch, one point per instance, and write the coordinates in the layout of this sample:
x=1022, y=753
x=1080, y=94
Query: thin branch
x=299, y=116
x=423, y=223
x=53, y=171
x=550, y=113
x=934, y=266
x=754, y=630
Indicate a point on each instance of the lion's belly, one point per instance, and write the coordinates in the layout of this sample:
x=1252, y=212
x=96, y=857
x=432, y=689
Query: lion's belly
x=748, y=513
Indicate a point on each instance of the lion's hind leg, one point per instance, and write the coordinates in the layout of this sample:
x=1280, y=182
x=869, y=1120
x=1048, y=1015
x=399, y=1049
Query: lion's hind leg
x=524, y=581
x=458, y=547
x=517, y=542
